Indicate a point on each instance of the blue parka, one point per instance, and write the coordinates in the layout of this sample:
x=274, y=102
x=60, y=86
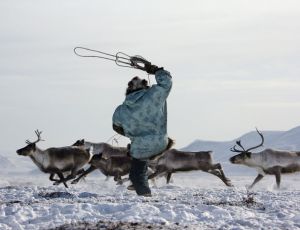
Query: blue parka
x=143, y=117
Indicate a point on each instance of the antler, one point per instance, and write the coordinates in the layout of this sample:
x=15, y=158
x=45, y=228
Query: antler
x=261, y=144
x=38, y=133
x=239, y=143
x=234, y=149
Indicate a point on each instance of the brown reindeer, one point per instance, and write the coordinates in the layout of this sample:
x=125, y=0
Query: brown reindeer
x=116, y=166
x=56, y=160
x=268, y=161
x=173, y=160
x=111, y=160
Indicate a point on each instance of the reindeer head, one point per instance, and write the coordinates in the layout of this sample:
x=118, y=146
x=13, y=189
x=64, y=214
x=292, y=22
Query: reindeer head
x=244, y=154
x=31, y=146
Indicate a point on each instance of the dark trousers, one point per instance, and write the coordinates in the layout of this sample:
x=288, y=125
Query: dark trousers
x=138, y=176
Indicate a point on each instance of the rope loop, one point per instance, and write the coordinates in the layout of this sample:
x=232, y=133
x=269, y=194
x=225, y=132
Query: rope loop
x=120, y=58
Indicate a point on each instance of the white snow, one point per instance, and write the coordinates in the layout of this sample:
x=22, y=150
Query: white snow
x=196, y=200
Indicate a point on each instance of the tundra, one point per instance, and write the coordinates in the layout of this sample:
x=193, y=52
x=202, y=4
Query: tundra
x=268, y=161
x=173, y=160
x=56, y=160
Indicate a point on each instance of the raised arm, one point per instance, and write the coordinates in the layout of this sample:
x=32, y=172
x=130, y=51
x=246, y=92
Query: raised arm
x=163, y=79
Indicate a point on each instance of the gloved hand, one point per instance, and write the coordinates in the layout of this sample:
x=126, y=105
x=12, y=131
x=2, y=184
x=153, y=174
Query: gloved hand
x=151, y=69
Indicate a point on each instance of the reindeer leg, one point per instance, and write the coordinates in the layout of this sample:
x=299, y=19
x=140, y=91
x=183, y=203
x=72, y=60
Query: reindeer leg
x=258, y=178
x=278, y=179
x=150, y=171
x=216, y=166
x=124, y=180
x=225, y=179
x=62, y=179
x=169, y=174
x=80, y=171
x=75, y=171
x=218, y=171
x=159, y=170
x=118, y=178
x=278, y=176
x=89, y=170
x=52, y=177
x=155, y=174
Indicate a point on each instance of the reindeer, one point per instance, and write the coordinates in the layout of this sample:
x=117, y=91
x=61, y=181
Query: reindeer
x=116, y=166
x=56, y=160
x=268, y=161
x=110, y=160
x=173, y=160
x=105, y=149
x=101, y=160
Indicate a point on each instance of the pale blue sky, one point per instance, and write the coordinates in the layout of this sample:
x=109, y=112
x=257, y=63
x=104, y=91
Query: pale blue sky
x=235, y=65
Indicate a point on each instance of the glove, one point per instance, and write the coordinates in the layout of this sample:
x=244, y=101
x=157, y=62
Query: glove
x=151, y=69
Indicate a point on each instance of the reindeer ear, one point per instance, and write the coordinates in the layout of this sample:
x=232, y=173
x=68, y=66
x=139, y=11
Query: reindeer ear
x=248, y=154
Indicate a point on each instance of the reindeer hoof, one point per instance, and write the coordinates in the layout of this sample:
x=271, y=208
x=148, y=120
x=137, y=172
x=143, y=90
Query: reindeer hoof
x=56, y=183
x=131, y=187
x=229, y=183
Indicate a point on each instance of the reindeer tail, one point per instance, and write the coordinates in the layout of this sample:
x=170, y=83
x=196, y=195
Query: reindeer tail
x=171, y=142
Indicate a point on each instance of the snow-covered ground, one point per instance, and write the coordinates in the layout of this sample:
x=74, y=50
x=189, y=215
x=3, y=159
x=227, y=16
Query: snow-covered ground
x=193, y=201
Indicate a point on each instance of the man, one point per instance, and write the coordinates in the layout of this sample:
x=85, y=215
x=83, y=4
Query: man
x=143, y=119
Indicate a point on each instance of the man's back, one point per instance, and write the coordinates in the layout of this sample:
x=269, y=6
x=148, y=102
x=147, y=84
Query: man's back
x=143, y=116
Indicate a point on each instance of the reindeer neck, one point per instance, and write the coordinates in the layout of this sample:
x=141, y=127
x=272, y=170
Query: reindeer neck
x=97, y=147
x=255, y=160
x=40, y=158
x=88, y=144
